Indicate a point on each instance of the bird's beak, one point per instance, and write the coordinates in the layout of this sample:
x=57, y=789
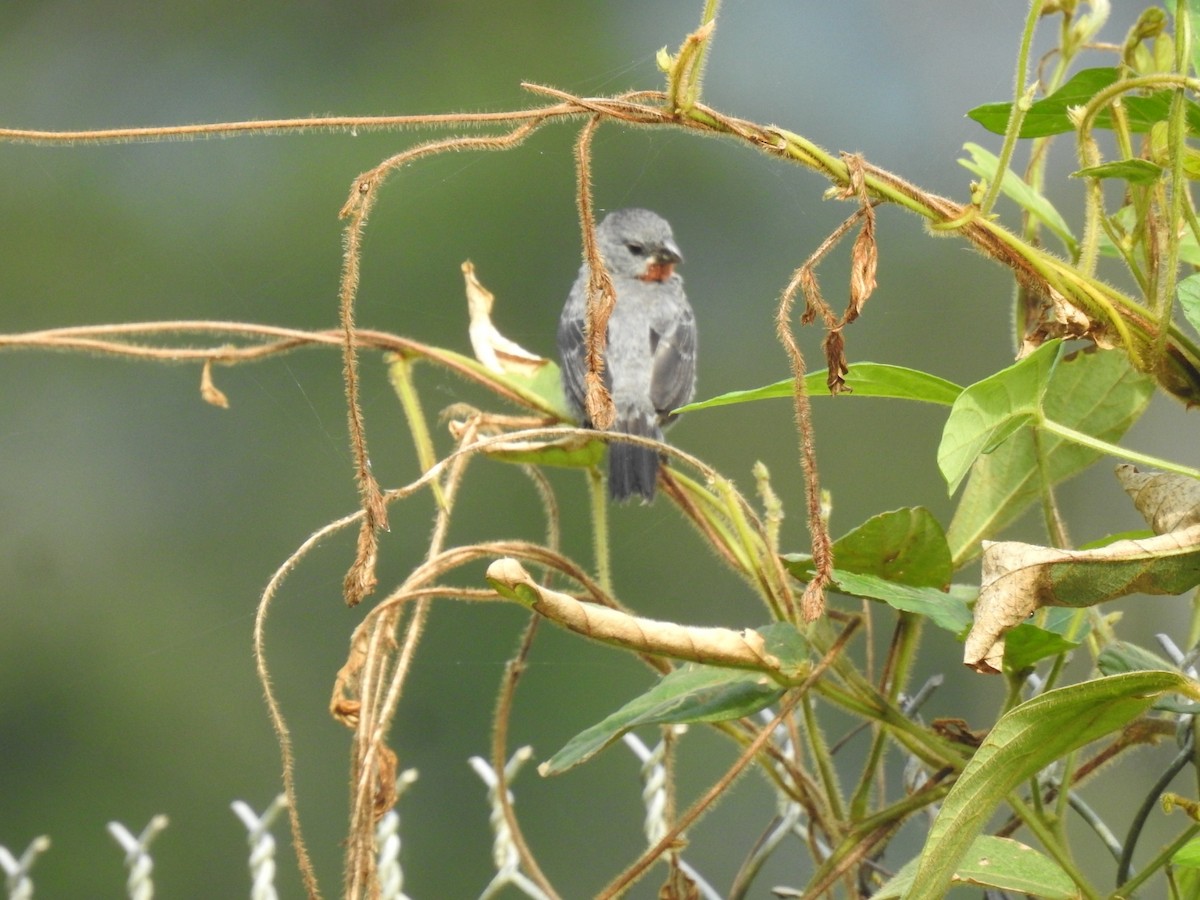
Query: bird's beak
x=660, y=264
x=667, y=255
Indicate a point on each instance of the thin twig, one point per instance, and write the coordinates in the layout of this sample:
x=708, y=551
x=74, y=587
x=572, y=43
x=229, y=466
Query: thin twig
x=360, y=579
x=601, y=295
x=513, y=671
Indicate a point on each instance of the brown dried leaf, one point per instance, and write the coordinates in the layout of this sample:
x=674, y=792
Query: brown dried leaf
x=1167, y=502
x=346, y=711
x=494, y=350
x=679, y=885
x=1050, y=315
x=360, y=580
x=834, y=346
x=1008, y=594
x=386, y=794
x=864, y=261
x=958, y=732
x=1018, y=579
x=711, y=646
x=814, y=303
x=864, y=256
x=856, y=185
x=345, y=704
x=601, y=295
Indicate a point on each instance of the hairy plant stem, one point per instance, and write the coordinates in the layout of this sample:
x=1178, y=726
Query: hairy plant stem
x=1177, y=132
x=696, y=79
x=1021, y=102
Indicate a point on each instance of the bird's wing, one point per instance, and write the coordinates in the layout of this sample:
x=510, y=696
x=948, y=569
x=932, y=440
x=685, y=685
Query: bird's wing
x=673, y=379
x=572, y=356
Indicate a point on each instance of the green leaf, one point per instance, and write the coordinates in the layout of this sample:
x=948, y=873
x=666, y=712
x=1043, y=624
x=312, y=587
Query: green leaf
x=571, y=453
x=865, y=379
x=984, y=164
x=1049, y=116
x=1122, y=656
x=989, y=411
x=1056, y=631
x=1145, y=112
x=691, y=693
x=1163, y=564
x=1000, y=863
x=1188, y=291
x=1135, y=171
x=1191, y=163
x=1027, y=644
x=541, y=391
x=1025, y=740
x=1187, y=879
x=1098, y=393
x=1134, y=534
x=901, y=558
x=906, y=546
x=1188, y=855
x=543, y=384
x=949, y=610
x=1065, y=622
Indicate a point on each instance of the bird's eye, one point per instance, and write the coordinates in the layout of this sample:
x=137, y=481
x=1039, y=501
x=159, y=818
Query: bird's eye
x=635, y=249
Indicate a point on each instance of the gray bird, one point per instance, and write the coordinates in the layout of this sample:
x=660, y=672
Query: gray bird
x=650, y=361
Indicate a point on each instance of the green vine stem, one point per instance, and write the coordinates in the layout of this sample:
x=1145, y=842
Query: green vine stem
x=400, y=372
x=598, y=498
x=696, y=78
x=1089, y=151
x=1177, y=369
x=1133, y=456
x=1176, y=140
x=1058, y=852
x=1022, y=99
x=1156, y=865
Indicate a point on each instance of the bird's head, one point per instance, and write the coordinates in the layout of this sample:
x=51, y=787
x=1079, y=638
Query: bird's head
x=637, y=243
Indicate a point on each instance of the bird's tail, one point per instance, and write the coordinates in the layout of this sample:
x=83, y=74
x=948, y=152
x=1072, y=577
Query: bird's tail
x=633, y=469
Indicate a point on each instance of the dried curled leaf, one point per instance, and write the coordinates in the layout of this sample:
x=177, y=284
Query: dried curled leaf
x=864, y=256
x=1050, y=315
x=209, y=392
x=834, y=346
x=712, y=646
x=494, y=350
x=1167, y=502
x=1018, y=579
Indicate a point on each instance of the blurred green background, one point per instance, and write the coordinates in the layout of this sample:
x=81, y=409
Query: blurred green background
x=138, y=525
